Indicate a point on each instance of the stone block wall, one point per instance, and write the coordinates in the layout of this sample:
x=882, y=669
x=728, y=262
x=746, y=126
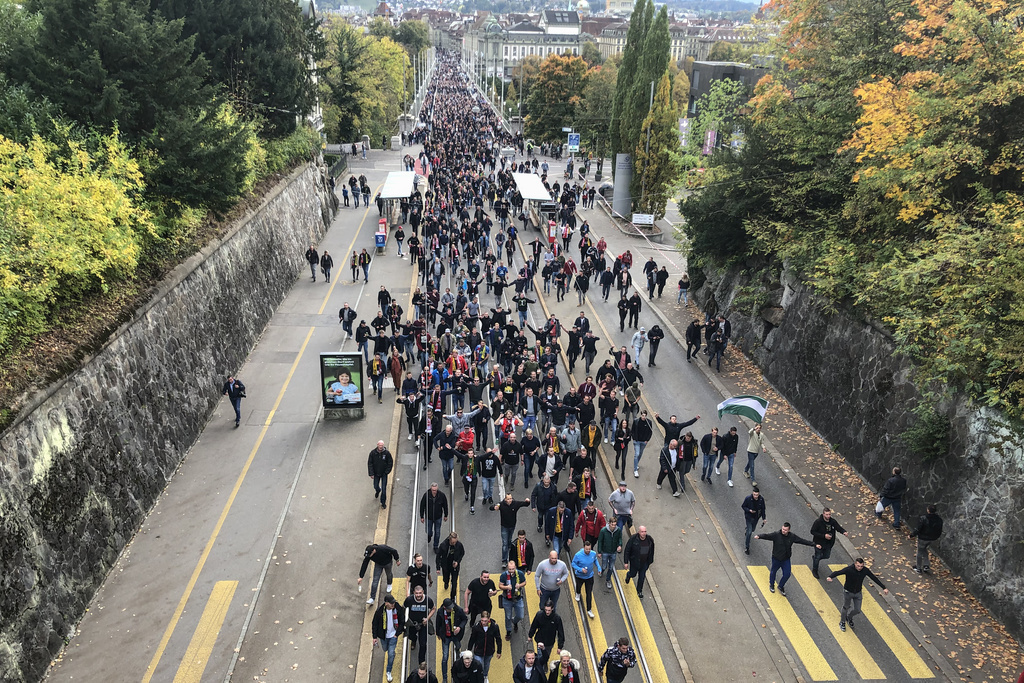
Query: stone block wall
x=843, y=374
x=84, y=463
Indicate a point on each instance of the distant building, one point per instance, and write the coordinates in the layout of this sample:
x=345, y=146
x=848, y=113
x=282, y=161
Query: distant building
x=706, y=73
x=493, y=49
x=624, y=7
x=383, y=10
x=687, y=40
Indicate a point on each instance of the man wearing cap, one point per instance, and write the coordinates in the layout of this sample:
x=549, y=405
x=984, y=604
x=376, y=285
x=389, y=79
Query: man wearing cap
x=623, y=501
x=382, y=557
x=467, y=669
x=449, y=623
x=545, y=631
x=388, y=624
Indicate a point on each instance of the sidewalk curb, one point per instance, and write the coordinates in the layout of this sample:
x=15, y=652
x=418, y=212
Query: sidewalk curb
x=814, y=503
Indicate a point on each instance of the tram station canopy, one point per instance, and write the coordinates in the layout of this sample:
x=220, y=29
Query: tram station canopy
x=530, y=187
x=398, y=185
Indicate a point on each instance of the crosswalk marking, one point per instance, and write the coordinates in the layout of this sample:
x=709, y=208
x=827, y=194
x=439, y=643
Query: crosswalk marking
x=893, y=637
x=643, y=628
x=799, y=638
x=854, y=649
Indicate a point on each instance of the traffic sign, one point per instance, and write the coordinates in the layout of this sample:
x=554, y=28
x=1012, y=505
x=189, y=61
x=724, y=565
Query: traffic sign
x=574, y=142
x=643, y=219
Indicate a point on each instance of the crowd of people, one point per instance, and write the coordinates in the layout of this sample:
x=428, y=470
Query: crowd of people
x=489, y=402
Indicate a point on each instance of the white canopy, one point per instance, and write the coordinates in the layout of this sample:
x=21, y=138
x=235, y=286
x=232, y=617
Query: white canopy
x=399, y=184
x=531, y=188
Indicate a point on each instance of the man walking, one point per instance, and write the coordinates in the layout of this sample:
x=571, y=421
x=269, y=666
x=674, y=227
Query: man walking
x=753, y=509
x=711, y=446
x=512, y=598
x=235, y=391
x=853, y=587
x=622, y=502
x=550, y=575
x=508, y=509
x=637, y=558
x=478, y=595
x=434, y=511
x=730, y=444
x=609, y=545
x=379, y=465
x=449, y=561
x=388, y=624
x=929, y=529
x=892, y=494
x=326, y=265
x=823, y=533
x=618, y=659
x=313, y=259
x=782, y=554
x=382, y=557
x=449, y=624
x=546, y=632
x=755, y=446
x=485, y=642
x=419, y=610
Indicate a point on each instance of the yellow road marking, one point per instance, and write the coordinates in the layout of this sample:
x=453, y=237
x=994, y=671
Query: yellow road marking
x=643, y=629
x=893, y=637
x=190, y=586
x=343, y=263
x=398, y=590
x=854, y=649
x=197, y=656
x=799, y=638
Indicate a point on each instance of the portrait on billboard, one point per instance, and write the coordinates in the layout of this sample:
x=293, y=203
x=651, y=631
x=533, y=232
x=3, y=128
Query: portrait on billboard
x=341, y=376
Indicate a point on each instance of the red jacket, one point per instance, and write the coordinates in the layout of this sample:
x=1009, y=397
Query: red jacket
x=590, y=527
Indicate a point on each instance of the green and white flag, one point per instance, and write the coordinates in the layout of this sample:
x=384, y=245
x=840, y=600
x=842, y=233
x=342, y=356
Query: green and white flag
x=753, y=407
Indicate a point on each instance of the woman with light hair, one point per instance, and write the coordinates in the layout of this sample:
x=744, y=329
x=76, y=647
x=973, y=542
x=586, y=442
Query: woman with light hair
x=565, y=670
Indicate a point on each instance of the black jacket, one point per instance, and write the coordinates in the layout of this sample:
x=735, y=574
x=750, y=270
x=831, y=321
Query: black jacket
x=434, y=507
x=782, y=544
x=822, y=527
x=380, y=628
x=547, y=628
x=234, y=389
x=631, y=553
x=693, y=334
x=485, y=643
x=929, y=527
x=536, y=674
x=379, y=463
x=458, y=619
x=474, y=673
x=643, y=430
x=895, y=487
x=708, y=442
x=513, y=554
x=672, y=431
x=385, y=555
x=448, y=553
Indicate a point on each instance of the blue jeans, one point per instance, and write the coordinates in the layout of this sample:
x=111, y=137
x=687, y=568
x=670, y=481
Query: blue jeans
x=638, y=448
x=447, y=465
x=608, y=562
x=365, y=348
x=732, y=459
x=366, y=272
x=610, y=425
x=455, y=642
x=751, y=527
x=546, y=595
x=508, y=533
x=896, y=503
x=434, y=530
x=556, y=544
x=529, y=422
x=378, y=386
x=785, y=566
x=709, y=466
x=388, y=646
x=488, y=487
x=751, y=457
x=716, y=356
x=485, y=662
x=236, y=403
x=515, y=610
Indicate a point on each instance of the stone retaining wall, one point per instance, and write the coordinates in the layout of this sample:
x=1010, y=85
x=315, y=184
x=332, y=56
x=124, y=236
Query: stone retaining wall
x=83, y=464
x=843, y=375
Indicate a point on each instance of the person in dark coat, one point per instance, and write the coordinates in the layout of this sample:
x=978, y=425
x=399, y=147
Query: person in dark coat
x=782, y=554
x=235, y=391
x=929, y=529
x=823, y=533
x=382, y=556
x=892, y=494
x=378, y=466
x=692, y=340
x=313, y=259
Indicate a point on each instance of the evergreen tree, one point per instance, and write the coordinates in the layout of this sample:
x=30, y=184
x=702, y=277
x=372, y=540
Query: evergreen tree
x=657, y=157
x=259, y=51
x=624, y=79
x=343, y=85
x=652, y=64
